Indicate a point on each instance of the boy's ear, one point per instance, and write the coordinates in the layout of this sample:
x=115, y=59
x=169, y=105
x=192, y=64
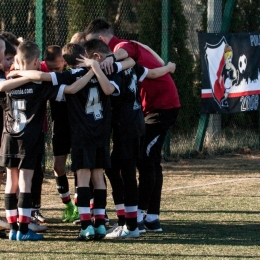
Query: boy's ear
x=16, y=63
x=102, y=38
x=96, y=56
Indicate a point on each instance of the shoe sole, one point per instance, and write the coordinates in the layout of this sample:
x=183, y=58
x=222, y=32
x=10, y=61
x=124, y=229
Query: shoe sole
x=99, y=236
x=154, y=230
x=88, y=238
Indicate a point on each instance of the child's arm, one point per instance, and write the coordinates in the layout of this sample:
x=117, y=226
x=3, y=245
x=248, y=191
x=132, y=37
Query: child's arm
x=127, y=63
x=158, y=72
x=7, y=85
x=79, y=84
x=33, y=75
x=156, y=56
x=106, y=86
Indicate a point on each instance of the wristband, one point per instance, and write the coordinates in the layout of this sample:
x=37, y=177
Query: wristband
x=112, y=55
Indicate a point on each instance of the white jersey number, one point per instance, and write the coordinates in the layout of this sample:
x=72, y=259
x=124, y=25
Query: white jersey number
x=94, y=106
x=19, y=117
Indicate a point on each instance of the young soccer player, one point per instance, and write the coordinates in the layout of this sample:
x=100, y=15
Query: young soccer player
x=61, y=138
x=24, y=114
x=2, y=53
x=90, y=116
x=128, y=127
x=160, y=104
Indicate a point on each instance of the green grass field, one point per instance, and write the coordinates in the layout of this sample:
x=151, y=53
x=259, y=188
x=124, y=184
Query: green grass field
x=210, y=210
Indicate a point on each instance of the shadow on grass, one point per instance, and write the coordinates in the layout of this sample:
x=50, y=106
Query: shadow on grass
x=178, y=232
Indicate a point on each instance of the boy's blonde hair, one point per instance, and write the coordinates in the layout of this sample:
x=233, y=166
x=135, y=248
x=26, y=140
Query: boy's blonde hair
x=28, y=51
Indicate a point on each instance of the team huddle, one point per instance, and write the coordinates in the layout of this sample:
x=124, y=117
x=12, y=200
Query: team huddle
x=98, y=87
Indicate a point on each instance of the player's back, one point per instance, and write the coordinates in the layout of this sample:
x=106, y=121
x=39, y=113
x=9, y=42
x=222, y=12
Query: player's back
x=127, y=116
x=24, y=115
x=89, y=111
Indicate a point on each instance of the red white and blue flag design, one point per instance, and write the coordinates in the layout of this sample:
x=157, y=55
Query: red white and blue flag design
x=230, y=66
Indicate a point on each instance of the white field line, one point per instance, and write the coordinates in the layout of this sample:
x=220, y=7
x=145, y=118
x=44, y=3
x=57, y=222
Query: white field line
x=210, y=183
x=176, y=188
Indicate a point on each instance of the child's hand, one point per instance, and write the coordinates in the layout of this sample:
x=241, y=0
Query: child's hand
x=171, y=66
x=13, y=74
x=85, y=62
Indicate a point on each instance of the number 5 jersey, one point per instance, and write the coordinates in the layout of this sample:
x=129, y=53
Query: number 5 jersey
x=24, y=110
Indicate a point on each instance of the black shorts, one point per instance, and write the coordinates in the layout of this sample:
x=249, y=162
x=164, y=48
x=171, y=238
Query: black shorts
x=90, y=158
x=26, y=162
x=61, y=143
x=127, y=149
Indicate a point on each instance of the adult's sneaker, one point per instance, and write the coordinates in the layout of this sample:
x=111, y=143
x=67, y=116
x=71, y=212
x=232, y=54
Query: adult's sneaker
x=75, y=215
x=36, y=227
x=67, y=213
x=87, y=234
x=37, y=215
x=115, y=233
x=153, y=226
x=129, y=234
x=100, y=232
x=12, y=234
x=4, y=224
x=141, y=227
x=29, y=236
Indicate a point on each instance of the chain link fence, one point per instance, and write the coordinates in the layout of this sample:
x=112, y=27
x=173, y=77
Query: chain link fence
x=145, y=21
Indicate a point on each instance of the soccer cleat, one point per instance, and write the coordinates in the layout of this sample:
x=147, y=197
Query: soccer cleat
x=153, y=226
x=87, y=234
x=112, y=228
x=141, y=227
x=129, y=234
x=67, y=213
x=37, y=215
x=116, y=233
x=4, y=224
x=75, y=215
x=29, y=236
x=36, y=227
x=12, y=234
x=123, y=232
x=100, y=232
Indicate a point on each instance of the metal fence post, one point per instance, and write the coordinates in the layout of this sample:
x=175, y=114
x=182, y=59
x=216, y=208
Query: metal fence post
x=40, y=39
x=40, y=18
x=166, y=26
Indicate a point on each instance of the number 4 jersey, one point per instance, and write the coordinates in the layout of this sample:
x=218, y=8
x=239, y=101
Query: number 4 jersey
x=24, y=110
x=89, y=110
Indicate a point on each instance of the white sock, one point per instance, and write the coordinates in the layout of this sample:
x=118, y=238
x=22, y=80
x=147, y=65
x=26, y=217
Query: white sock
x=140, y=215
x=151, y=217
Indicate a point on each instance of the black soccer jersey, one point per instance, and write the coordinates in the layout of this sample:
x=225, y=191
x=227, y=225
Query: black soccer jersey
x=23, y=117
x=89, y=110
x=127, y=115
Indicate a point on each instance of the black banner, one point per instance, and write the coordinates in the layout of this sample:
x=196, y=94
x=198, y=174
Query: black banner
x=230, y=65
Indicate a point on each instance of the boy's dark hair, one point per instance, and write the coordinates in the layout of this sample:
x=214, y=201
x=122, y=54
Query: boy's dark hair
x=99, y=25
x=96, y=45
x=29, y=50
x=52, y=53
x=9, y=48
x=71, y=51
x=11, y=38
